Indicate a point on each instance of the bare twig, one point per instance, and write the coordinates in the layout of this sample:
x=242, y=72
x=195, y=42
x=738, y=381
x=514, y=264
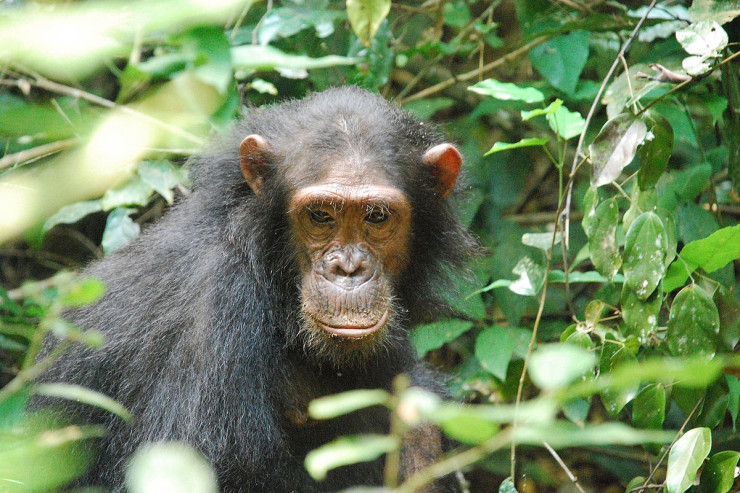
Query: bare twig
x=557, y=458
x=35, y=153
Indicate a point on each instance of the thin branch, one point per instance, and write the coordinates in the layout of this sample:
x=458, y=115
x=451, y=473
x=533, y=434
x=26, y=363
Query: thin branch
x=557, y=458
x=35, y=153
x=475, y=73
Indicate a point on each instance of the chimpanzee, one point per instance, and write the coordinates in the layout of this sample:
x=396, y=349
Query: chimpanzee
x=317, y=232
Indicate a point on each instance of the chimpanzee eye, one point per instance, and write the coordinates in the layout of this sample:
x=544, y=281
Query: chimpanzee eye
x=377, y=215
x=320, y=217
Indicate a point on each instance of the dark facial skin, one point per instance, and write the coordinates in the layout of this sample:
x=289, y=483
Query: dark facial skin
x=352, y=241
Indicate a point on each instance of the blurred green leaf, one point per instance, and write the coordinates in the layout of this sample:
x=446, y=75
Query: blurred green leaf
x=267, y=57
x=347, y=450
x=346, y=402
x=554, y=366
x=82, y=292
x=134, y=193
x=531, y=274
x=81, y=394
x=715, y=251
x=162, y=177
x=648, y=407
x=169, y=468
x=565, y=123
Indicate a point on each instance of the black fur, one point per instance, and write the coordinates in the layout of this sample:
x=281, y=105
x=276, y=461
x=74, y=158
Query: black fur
x=201, y=313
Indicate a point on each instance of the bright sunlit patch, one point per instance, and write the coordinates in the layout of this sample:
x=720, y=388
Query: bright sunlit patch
x=117, y=145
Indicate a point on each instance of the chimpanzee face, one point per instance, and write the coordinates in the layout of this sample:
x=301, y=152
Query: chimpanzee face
x=352, y=241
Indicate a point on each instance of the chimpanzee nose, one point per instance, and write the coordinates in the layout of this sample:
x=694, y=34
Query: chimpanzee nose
x=348, y=266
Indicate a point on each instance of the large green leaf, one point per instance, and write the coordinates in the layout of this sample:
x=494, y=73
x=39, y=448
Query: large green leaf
x=718, y=475
x=648, y=408
x=565, y=123
x=655, y=151
x=715, y=251
x=493, y=348
x=693, y=323
x=561, y=59
x=641, y=316
x=644, y=254
x=685, y=458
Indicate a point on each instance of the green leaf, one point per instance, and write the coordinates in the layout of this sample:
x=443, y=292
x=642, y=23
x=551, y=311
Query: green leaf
x=561, y=59
x=78, y=393
x=493, y=348
x=676, y=275
x=685, y=458
x=558, y=276
x=693, y=323
x=431, y=336
x=72, y=213
x=344, y=451
x=257, y=57
x=733, y=401
x=162, y=177
x=551, y=108
x=554, y=366
x=169, y=467
x=590, y=202
x=340, y=404
x=715, y=251
x=644, y=254
x=602, y=240
x=528, y=142
x=12, y=408
x=565, y=123
x=613, y=356
x=655, y=151
x=365, y=17
x=648, y=408
x=120, y=229
x=718, y=475
x=615, y=147
x=641, y=316
x=507, y=91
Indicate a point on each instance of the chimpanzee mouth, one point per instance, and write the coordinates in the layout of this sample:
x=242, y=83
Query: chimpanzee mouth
x=355, y=332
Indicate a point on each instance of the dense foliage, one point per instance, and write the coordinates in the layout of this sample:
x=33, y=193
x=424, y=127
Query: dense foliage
x=594, y=345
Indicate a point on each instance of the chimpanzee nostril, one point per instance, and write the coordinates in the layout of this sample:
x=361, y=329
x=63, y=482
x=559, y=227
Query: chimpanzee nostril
x=348, y=266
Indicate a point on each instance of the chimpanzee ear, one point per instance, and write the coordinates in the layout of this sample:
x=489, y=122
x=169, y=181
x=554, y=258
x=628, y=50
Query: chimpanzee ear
x=254, y=152
x=445, y=161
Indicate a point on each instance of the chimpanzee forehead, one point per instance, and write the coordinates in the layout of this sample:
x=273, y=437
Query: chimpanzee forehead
x=337, y=193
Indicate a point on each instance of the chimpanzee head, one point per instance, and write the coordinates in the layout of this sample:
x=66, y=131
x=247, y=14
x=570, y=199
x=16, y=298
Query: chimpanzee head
x=365, y=186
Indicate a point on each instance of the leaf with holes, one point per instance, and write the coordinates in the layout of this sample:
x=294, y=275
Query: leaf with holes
x=644, y=254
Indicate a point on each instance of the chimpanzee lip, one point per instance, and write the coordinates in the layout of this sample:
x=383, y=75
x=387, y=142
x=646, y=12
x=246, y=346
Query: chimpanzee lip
x=355, y=332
